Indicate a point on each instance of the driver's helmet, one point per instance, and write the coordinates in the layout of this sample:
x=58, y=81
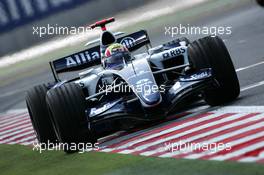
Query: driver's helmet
x=115, y=56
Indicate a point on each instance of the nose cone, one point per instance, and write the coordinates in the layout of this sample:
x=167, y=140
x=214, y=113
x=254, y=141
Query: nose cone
x=148, y=92
x=151, y=99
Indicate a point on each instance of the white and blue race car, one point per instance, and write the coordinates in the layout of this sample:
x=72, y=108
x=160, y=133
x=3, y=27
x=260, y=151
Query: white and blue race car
x=128, y=90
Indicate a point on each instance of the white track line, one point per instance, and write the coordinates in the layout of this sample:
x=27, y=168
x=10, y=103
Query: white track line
x=24, y=140
x=10, y=115
x=239, y=109
x=248, y=67
x=239, y=152
x=190, y=139
x=15, y=129
x=230, y=118
x=17, y=136
x=3, y=136
x=250, y=159
x=11, y=119
x=214, y=140
x=23, y=110
x=131, y=143
x=232, y=144
x=261, y=83
x=6, y=115
x=142, y=147
x=29, y=143
x=111, y=137
x=138, y=133
x=15, y=124
x=253, y=159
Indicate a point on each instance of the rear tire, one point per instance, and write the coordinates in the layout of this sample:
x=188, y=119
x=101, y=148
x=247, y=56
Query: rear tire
x=211, y=52
x=39, y=115
x=67, y=105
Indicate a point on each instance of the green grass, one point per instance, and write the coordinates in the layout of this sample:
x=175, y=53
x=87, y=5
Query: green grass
x=23, y=160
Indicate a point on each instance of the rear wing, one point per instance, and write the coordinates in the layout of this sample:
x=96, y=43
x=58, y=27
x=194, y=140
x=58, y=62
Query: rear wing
x=91, y=57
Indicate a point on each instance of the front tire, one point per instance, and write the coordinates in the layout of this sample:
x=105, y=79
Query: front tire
x=67, y=105
x=211, y=52
x=39, y=115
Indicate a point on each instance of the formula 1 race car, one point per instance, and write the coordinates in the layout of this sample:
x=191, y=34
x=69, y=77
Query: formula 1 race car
x=121, y=91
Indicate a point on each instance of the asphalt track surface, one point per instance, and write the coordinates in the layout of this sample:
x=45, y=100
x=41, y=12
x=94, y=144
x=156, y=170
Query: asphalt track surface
x=240, y=124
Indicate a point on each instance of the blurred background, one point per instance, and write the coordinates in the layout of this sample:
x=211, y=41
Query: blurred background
x=17, y=17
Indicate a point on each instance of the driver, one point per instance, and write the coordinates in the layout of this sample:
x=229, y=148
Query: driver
x=115, y=56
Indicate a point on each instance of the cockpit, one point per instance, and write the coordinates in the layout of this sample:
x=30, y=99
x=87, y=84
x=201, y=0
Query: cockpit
x=117, y=61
